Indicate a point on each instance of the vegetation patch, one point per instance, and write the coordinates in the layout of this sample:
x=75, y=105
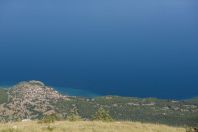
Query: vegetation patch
x=3, y=96
x=102, y=115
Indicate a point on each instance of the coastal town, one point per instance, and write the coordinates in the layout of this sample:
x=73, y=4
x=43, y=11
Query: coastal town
x=27, y=100
x=32, y=100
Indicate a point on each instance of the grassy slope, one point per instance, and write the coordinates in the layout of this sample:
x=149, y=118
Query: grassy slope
x=87, y=126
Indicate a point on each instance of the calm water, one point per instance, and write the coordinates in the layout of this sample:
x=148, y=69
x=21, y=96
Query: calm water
x=138, y=48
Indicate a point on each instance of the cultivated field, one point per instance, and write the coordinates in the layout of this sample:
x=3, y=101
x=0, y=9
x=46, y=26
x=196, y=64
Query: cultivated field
x=86, y=126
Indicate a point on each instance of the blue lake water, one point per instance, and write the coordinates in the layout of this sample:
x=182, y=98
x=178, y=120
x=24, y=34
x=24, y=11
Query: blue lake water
x=142, y=48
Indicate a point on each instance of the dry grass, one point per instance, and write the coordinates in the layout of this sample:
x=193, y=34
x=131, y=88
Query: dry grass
x=86, y=126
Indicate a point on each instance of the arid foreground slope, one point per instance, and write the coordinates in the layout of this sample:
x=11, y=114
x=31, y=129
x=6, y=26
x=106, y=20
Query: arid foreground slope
x=86, y=126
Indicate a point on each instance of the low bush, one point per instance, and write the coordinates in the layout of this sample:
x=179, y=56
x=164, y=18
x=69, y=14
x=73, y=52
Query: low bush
x=194, y=129
x=48, y=119
x=74, y=115
x=102, y=115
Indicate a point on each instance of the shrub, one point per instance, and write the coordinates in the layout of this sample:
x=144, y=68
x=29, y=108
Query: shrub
x=50, y=128
x=48, y=119
x=74, y=115
x=192, y=129
x=102, y=115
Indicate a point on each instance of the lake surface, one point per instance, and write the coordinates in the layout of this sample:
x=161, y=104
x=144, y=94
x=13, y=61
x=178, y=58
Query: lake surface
x=142, y=48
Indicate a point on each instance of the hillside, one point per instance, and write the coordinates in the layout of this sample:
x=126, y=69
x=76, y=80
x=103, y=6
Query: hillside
x=28, y=100
x=33, y=100
x=86, y=126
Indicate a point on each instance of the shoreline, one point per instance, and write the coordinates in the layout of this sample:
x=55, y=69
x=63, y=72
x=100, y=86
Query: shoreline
x=65, y=91
x=89, y=94
x=75, y=92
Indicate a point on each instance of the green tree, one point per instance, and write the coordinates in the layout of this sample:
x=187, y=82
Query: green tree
x=102, y=115
x=73, y=115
